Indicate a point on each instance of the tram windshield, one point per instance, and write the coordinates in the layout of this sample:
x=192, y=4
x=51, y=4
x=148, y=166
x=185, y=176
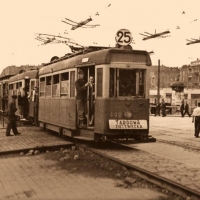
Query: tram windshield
x=127, y=82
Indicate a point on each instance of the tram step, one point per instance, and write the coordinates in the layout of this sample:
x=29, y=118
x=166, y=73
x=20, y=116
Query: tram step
x=83, y=138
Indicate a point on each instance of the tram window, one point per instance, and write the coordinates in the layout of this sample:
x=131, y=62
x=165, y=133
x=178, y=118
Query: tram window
x=64, y=88
x=99, y=82
x=19, y=84
x=72, y=84
x=11, y=87
x=125, y=82
x=32, y=85
x=42, y=86
x=48, y=85
x=56, y=85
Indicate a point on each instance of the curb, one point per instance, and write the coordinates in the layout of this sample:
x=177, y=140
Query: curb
x=40, y=148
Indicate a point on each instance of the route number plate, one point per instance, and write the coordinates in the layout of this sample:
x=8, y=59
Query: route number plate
x=123, y=37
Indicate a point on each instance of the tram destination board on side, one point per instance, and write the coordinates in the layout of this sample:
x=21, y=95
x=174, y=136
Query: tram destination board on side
x=127, y=124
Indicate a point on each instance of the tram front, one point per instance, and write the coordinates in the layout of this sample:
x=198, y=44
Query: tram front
x=122, y=97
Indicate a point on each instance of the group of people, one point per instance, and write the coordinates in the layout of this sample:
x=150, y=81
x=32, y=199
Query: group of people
x=161, y=107
x=12, y=118
x=81, y=98
x=184, y=109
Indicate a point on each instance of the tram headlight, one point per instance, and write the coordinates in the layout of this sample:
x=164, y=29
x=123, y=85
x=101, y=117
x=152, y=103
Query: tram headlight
x=128, y=115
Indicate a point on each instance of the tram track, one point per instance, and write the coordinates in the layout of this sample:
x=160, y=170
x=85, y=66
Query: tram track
x=120, y=155
x=180, y=144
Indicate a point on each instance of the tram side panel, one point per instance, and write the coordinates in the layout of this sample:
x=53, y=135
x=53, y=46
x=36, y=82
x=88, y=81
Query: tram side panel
x=57, y=113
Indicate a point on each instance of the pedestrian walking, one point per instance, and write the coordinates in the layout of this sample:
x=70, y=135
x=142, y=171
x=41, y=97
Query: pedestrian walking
x=12, y=117
x=187, y=110
x=196, y=120
x=182, y=108
x=157, y=109
x=163, y=108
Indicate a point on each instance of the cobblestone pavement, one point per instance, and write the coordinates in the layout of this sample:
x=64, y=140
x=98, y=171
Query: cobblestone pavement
x=31, y=137
x=175, y=163
x=33, y=177
x=36, y=178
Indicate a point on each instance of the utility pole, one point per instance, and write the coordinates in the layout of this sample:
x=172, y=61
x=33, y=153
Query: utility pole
x=158, y=88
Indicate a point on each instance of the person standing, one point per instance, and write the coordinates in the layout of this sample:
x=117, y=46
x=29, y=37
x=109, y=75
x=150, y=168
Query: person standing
x=187, y=110
x=11, y=117
x=163, y=108
x=157, y=109
x=36, y=105
x=91, y=100
x=81, y=88
x=182, y=108
x=196, y=120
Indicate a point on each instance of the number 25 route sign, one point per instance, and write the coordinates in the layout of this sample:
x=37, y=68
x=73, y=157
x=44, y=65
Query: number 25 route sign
x=123, y=37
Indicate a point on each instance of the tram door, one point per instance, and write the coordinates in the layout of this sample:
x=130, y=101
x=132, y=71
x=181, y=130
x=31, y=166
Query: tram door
x=89, y=77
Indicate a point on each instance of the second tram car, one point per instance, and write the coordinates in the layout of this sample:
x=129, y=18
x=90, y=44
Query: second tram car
x=23, y=85
x=121, y=106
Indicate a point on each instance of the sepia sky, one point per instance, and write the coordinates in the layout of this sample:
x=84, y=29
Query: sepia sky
x=21, y=19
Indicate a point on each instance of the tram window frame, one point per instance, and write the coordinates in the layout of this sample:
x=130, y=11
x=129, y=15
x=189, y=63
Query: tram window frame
x=10, y=86
x=99, y=81
x=120, y=82
x=42, y=86
x=48, y=86
x=72, y=83
x=56, y=85
x=64, y=84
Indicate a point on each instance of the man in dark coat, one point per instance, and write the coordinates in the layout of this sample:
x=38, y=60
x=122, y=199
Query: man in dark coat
x=81, y=88
x=163, y=108
x=157, y=109
x=182, y=108
x=187, y=109
x=11, y=117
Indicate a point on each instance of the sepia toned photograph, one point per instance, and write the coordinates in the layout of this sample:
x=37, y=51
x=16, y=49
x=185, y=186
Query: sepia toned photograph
x=100, y=100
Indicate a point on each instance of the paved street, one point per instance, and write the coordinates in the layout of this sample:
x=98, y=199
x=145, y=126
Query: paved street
x=34, y=177
x=174, y=156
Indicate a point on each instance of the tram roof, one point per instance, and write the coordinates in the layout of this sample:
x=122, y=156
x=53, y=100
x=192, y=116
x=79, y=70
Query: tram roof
x=13, y=70
x=24, y=75
x=104, y=56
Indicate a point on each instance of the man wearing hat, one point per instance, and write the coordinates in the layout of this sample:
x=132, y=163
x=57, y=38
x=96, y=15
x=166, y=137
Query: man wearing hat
x=11, y=117
x=81, y=88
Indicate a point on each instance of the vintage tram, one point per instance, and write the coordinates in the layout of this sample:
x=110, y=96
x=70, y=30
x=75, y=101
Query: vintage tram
x=23, y=85
x=121, y=108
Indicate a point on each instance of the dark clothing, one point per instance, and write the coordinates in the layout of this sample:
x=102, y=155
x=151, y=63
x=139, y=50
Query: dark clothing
x=91, y=99
x=182, y=110
x=20, y=100
x=35, y=108
x=197, y=126
x=11, y=118
x=81, y=98
x=157, y=109
x=187, y=110
x=81, y=89
x=163, y=108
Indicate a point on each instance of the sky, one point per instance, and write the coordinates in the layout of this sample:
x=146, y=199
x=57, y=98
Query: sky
x=22, y=20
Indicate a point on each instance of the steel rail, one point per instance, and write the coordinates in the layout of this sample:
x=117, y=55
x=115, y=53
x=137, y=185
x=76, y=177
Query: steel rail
x=150, y=177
